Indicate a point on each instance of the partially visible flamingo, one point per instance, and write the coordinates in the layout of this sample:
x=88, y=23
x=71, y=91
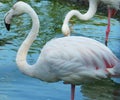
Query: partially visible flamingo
x=90, y=13
x=113, y=6
x=73, y=60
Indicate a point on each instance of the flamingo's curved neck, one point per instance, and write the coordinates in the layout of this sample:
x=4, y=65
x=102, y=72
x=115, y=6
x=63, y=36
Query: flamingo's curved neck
x=23, y=50
x=90, y=13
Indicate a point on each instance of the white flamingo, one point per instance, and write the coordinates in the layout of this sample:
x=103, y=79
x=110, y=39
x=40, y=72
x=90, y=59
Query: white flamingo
x=90, y=13
x=73, y=60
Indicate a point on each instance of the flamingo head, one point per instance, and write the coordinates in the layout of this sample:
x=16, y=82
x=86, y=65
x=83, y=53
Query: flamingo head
x=66, y=30
x=17, y=9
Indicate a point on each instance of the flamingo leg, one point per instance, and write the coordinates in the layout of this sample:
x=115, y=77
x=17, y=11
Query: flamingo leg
x=108, y=26
x=111, y=12
x=72, y=91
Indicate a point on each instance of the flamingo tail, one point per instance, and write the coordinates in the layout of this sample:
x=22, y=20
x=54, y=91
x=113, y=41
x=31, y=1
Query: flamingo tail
x=117, y=69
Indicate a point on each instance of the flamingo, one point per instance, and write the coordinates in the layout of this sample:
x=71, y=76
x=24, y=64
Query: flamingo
x=90, y=13
x=73, y=60
x=113, y=6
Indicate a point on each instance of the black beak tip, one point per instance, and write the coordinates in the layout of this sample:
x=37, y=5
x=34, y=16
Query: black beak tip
x=7, y=26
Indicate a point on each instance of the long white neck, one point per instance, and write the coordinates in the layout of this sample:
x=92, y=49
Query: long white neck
x=23, y=50
x=90, y=13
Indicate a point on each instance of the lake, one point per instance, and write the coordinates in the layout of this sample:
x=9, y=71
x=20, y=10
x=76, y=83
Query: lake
x=16, y=86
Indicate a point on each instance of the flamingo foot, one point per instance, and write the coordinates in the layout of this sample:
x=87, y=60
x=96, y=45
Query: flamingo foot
x=106, y=42
x=107, y=34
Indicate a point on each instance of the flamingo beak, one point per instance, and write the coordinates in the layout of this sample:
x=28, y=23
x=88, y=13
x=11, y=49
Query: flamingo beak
x=7, y=25
x=7, y=19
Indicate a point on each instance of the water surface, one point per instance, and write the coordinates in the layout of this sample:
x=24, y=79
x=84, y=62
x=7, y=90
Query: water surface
x=16, y=86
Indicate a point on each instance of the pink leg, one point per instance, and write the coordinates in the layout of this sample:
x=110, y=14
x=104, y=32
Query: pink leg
x=72, y=91
x=108, y=26
x=111, y=12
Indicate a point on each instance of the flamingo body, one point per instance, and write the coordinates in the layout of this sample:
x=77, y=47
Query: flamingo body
x=113, y=3
x=74, y=59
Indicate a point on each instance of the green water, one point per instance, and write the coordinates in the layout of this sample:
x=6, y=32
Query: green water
x=16, y=86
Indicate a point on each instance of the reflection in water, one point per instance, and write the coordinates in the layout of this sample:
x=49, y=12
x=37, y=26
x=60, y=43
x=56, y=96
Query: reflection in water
x=16, y=86
x=102, y=90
